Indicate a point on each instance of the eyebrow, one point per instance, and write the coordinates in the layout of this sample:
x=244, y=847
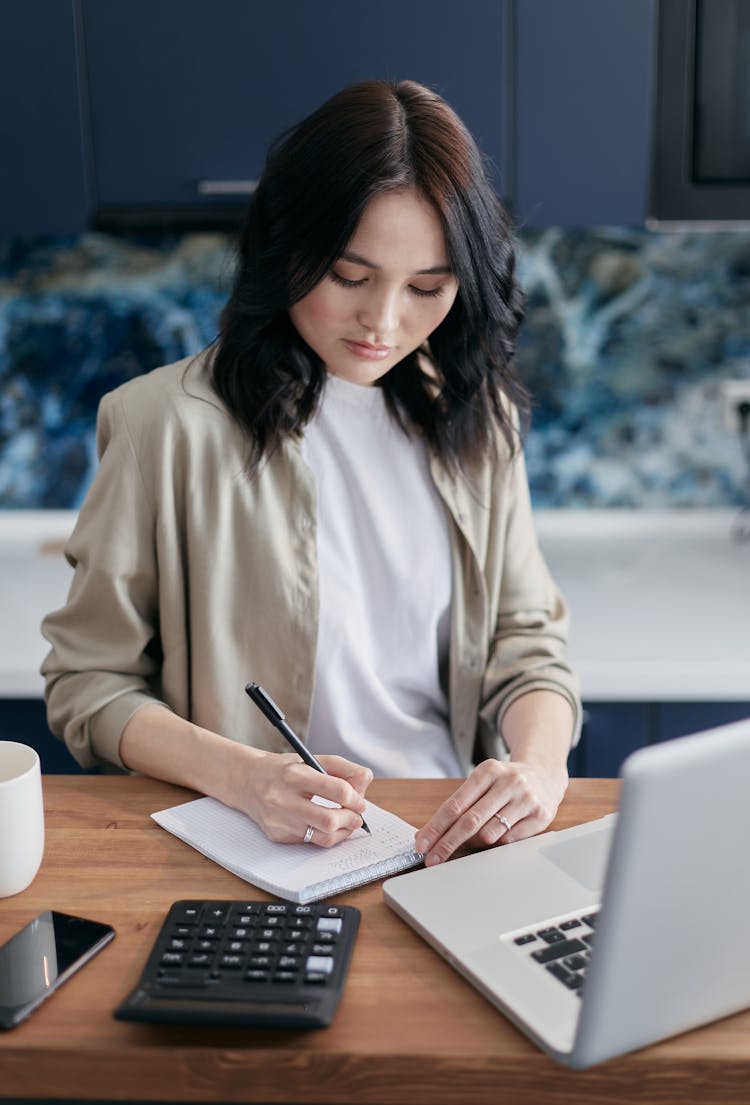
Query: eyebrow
x=357, y=259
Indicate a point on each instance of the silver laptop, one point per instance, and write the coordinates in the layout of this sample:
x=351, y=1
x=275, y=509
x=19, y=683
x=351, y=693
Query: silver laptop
x=610, y=935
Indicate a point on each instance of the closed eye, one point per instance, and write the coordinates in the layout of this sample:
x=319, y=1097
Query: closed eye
x=344, y=282
x=430, y=292
x=421, y=293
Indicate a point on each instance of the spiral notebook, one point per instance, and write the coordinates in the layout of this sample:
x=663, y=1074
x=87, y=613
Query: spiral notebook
x=297, y=872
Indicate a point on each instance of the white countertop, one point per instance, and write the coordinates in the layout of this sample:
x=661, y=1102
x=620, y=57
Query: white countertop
x=660, y=601
x=34, y=579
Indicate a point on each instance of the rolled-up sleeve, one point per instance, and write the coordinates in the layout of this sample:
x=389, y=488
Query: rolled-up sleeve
x=105, y=655
x=528, y=630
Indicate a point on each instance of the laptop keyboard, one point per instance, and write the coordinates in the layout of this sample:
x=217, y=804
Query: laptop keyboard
x=560, y=946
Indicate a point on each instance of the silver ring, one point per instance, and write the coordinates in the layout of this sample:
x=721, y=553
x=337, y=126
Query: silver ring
x=308, y=834
x=504, y=821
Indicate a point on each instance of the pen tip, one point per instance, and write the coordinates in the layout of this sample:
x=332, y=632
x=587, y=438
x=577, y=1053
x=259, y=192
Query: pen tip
x=365, y=826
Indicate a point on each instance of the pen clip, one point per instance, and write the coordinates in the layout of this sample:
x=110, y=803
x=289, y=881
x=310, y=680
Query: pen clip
x=265, y=703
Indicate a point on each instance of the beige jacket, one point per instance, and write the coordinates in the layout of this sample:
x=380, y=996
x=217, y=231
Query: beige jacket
x=191, y=579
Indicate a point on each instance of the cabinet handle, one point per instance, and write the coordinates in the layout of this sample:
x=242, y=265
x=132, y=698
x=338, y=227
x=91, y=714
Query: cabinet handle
x=226, y=187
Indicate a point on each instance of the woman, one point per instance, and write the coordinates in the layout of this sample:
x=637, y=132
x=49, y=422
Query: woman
x=332, y=502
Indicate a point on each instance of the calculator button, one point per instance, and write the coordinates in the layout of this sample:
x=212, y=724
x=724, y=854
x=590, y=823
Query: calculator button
x=172, y=958
x=321, y=963
x=188, y=911
x=330, y=924
x=285, y=976
x=180, y=980
x=241, y=912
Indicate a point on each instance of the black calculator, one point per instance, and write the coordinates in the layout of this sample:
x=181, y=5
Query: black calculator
x=266, y=964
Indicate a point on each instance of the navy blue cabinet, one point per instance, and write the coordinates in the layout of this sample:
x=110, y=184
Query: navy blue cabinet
x=25, y=720
x=42, y=185
x=160, y=108
x=678, y=719
x=185, y=95
x=612, y=730
x=583, y=107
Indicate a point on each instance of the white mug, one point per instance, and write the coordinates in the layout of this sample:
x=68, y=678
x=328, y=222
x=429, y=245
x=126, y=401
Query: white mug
x=21, y=817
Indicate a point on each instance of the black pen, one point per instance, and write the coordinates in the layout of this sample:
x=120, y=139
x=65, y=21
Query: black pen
x=269, y=709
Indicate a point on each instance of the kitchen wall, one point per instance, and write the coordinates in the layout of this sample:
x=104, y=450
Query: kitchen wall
x=627, y=337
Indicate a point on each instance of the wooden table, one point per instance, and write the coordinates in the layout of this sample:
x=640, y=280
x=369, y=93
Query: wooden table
x=409, y=1029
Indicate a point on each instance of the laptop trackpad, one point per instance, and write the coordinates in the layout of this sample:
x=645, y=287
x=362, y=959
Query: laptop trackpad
x=582, y=857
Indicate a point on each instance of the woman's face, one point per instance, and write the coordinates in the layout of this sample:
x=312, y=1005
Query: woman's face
x=389, y=289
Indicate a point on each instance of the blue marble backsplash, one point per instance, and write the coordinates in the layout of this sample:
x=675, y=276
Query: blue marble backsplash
x=627, y=337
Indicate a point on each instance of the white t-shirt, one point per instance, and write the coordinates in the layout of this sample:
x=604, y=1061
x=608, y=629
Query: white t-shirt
x=385, y=590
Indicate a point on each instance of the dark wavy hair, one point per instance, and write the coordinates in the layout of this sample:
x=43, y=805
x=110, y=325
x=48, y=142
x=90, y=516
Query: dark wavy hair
x=371, y=138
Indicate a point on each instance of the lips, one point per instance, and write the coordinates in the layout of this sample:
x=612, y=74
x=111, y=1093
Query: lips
x=367, y=351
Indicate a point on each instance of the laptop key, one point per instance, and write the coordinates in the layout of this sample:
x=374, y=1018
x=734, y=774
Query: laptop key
x=575, y=962
x=527, y=938
x=559, y=950
x=550, y=935
x=568, y=978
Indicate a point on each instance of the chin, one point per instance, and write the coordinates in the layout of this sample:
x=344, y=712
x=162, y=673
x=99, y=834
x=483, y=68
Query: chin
x=359, y=376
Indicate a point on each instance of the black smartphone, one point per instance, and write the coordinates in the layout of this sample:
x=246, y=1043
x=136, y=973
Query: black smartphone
x=41, y=956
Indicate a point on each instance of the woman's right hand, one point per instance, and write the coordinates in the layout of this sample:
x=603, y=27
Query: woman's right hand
x=276, y=789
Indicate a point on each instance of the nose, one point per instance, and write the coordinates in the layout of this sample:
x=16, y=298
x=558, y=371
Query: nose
x=379, y=313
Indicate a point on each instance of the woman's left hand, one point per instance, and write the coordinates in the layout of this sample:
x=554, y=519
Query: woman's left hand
x=500, y=802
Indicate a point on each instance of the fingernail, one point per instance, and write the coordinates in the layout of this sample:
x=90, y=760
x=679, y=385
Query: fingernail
x=432, y=860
